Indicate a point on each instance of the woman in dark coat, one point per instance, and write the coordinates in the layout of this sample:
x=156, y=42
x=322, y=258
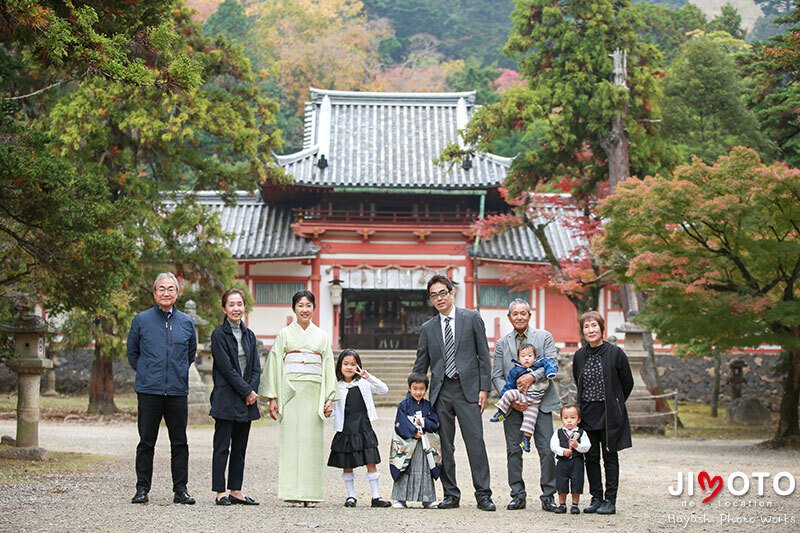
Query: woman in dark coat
x=236, y=373
x=604, y=380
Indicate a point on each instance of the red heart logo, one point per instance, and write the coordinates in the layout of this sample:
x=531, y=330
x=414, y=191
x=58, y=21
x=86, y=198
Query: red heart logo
x=707, y=482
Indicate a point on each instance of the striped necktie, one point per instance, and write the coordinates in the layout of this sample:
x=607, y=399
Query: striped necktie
x=450, y=369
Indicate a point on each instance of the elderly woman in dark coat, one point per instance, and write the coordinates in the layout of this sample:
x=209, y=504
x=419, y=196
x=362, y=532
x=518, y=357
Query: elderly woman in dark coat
x=604, y=380
x=236, y=373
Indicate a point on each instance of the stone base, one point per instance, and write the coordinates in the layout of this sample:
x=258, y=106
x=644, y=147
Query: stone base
x=749, y=412
x=28, y=454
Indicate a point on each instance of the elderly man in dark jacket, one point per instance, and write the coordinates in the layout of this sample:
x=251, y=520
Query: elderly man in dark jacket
x=161, y=345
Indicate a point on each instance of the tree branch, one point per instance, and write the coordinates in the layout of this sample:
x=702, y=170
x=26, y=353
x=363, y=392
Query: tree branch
x=34, y=93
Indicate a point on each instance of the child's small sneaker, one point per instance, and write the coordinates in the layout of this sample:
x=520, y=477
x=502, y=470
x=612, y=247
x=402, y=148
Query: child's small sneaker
x=574, y=509
x=525, y=444
x=561, y=509
x=399, y=504
x=430, y=505
x=499, y=416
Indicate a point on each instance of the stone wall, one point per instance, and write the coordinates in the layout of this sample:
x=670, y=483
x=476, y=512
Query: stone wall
x=693, y=377
x=72, y=374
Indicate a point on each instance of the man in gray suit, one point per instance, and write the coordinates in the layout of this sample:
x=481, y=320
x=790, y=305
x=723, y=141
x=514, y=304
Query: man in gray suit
x=453, y=345
x=505, y=350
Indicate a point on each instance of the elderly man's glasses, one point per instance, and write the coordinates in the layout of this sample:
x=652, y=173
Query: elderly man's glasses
x=441, y=294
x=166, y=290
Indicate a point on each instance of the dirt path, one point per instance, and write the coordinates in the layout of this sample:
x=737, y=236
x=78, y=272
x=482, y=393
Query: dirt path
x=99, y=501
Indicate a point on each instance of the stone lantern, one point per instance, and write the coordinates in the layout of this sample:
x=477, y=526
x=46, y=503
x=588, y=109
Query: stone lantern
x=639, y=404
x=198, y=391
x=29, y=363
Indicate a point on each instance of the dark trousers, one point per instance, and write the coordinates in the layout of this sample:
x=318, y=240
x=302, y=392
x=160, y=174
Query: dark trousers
x=541, y=438
x=452, y=404
x=175, y=412
x=230, y=440
x=610, y=465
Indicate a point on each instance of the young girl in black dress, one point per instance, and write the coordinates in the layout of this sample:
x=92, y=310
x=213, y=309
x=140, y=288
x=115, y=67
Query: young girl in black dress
x=355, y=443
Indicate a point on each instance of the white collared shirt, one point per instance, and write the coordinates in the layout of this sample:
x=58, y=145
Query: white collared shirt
x=452, y=316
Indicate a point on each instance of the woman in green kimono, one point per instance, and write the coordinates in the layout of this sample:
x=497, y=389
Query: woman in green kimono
x=300, y=383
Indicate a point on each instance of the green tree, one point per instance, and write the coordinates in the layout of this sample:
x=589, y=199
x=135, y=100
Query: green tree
x=704, y=110
x=57, y=226
x=146, y=142
x=474, y=77
x=570, y=99
x=729, y=20
x=717, y=248
x=774, y=66
x=231, y=21
x=669, y=27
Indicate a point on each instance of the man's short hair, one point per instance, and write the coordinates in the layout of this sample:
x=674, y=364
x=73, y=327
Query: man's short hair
x=519, y=301
x=166, y=275
x=439, y=278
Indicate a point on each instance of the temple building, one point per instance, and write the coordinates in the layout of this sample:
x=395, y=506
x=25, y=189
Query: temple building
x=369, y=215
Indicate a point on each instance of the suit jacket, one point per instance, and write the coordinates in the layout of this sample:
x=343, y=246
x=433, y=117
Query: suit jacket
x=472, y=354
x=230, y=386
x=505, y=352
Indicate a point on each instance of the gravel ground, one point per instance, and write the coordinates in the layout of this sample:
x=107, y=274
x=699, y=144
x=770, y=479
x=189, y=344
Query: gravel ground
x=100, y=500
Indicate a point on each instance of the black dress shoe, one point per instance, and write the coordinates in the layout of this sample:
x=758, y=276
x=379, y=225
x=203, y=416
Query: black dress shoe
x=593, y=506
x=549, y=505
x=487, y=505
x=350, y=502
x=223, y=501
x=184, y=498
x=516, y=504
x=449, y=503
x=140, y=497
x=607, y=508
x=246, y=501
x=380, y=502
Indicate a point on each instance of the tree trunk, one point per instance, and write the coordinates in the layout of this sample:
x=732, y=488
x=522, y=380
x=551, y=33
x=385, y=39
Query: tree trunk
x=788, y=424
x=101, y=382
x=715, y=390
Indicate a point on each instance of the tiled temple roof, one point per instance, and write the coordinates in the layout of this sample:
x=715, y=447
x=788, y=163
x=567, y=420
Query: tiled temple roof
x=388, y=140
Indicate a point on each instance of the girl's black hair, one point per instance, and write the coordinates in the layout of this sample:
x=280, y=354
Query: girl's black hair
x=418, y=377
x=307, y=294
x=340, y=360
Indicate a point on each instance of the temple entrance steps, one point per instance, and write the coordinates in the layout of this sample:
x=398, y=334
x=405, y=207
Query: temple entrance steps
x=393, y=368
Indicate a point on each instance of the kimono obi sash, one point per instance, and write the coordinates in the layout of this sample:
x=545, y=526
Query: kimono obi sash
x=302, y=362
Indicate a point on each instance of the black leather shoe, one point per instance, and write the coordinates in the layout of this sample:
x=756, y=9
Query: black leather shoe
x=574, y=509
x=607, y=508
x=516, y=504
x=184, y=498
x=487, y=505
x=247, y=500
x=560, y=509
x=380, y=502
x=140, y=497
x=549, y=505
x=225, y=501
x=350, y=502
x=449, y=503
x=593, y=506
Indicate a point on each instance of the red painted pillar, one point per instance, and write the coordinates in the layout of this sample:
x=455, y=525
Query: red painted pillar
x=315, y=278
x=335, y=340
x=469, y=284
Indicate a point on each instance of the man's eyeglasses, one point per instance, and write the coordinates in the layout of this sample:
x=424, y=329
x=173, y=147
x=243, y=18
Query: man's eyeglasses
x=166, y=290
x=441, y=294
